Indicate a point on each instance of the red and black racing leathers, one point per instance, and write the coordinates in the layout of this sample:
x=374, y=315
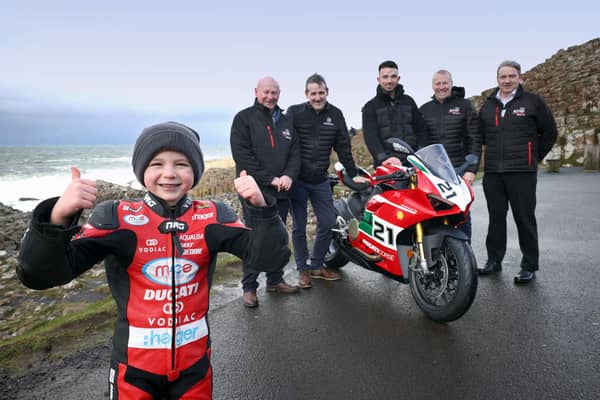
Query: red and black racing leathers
x=159, y=264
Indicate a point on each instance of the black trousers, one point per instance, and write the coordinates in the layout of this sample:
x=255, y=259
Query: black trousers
x=517, y=189
x=250, y=276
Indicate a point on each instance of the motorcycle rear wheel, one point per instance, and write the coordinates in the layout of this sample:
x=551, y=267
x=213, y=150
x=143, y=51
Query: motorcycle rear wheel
x=448, y=292
x=334, y=259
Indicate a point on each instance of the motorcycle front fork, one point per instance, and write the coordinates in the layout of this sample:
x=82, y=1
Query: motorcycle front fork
x=421, y=249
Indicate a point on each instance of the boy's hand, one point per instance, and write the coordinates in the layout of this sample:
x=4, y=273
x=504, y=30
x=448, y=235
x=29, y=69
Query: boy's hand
x=248, y=189
x=78, y=195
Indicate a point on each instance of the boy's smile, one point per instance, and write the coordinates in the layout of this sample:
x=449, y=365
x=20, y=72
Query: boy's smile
x=169, y=176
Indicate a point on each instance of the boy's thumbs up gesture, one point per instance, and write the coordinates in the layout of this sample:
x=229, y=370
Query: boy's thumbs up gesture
x=79, y=194
x=248, y=189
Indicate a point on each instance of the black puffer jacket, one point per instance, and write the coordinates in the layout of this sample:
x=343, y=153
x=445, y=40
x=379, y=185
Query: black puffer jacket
x=454, y=124
x=264, y=148
x=318, y=134
x=517, y=141
x=384, y=117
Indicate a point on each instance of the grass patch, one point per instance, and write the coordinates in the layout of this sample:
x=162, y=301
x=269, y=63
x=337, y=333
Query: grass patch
x=52, y=340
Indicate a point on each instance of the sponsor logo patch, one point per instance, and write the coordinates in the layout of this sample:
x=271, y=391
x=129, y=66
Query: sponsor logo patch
x=137, y=220
x=160, y=338
x=454, y=111
x=520, y=112
x=160, y=270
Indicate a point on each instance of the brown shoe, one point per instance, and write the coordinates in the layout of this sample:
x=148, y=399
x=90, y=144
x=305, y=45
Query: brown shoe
x=249, y=299
x=326, y=274
x=283, y=287
x=304, y=280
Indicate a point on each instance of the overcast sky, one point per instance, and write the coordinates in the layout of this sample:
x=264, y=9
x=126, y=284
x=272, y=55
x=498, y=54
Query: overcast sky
x=95, y=72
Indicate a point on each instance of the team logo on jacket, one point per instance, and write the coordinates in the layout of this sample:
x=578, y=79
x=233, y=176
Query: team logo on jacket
x=328, y=122
x=454, y=111
x=202, y=204
x=127, y=207
x=136, y=220
x=519, y=112
x=160, y=271
x=286, y=134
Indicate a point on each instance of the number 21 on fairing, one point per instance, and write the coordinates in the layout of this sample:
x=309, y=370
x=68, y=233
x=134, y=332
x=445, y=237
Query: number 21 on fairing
x=385, y=233
x=446, y=190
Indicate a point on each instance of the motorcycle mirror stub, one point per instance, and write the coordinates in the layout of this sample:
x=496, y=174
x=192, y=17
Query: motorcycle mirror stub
x=400, y=146
x=471, y=159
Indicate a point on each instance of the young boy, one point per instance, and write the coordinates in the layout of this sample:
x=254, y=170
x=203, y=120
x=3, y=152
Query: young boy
x=159, y=253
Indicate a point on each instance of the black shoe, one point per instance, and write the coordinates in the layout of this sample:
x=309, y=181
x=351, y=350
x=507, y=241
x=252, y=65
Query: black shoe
x=490, y=267
x=524, y=276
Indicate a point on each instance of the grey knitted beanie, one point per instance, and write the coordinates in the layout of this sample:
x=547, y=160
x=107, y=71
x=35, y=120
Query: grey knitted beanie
x=167, y=136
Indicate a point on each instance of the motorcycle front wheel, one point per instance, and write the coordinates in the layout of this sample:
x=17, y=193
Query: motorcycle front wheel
x=448, y=291
x=334, y=259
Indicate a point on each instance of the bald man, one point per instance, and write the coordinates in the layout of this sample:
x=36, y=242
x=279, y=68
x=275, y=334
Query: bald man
x=264, y=144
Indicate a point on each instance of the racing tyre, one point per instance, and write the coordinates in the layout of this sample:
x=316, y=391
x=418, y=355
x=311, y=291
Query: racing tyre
x=448, y=292
x=334, y=259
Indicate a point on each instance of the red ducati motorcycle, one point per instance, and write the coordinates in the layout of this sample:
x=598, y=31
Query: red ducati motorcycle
x=403, y=224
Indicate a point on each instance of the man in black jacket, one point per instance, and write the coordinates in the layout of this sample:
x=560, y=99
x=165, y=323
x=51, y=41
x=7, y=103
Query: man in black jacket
x=391, y=113
x=320, y=127
x=452, y=121
x=264, y=144
x=518, y=130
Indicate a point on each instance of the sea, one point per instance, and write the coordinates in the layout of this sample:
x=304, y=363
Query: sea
x=30, y=174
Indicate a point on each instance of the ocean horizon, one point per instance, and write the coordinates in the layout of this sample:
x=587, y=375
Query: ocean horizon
x=30, y=174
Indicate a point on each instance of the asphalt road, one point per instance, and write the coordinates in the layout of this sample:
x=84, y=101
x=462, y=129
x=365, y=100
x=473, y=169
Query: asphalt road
x=364, y=337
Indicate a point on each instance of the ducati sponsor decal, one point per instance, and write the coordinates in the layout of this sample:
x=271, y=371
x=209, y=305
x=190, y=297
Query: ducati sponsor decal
x=168, y=308
x=159, y=271
x=377, y=250
x=185, y=237
x=192, y=252
x=161, y=337
x=520, y=112
x=172, y=225
x=148, y=200
x=168, y=321
x=201, y=205
x=167, y=294
x=154, y=249
x=137, y=220
x=454, y=111
x=203, y=217
x=286, y=134
x=126, y=207
x=191, y=236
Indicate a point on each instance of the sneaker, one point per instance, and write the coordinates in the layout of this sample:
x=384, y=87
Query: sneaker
x=326, y=274
x=282, y=287
x=304, y=280
x=249, y=299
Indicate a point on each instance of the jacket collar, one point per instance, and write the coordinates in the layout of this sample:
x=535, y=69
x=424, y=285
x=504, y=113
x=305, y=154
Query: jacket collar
x=457, y=92
x=398, y=92
x=158, y=206
x=264, y=109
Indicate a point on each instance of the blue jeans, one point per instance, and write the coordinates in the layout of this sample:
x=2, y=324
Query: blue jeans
x=321, y=198
x=249, y=283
